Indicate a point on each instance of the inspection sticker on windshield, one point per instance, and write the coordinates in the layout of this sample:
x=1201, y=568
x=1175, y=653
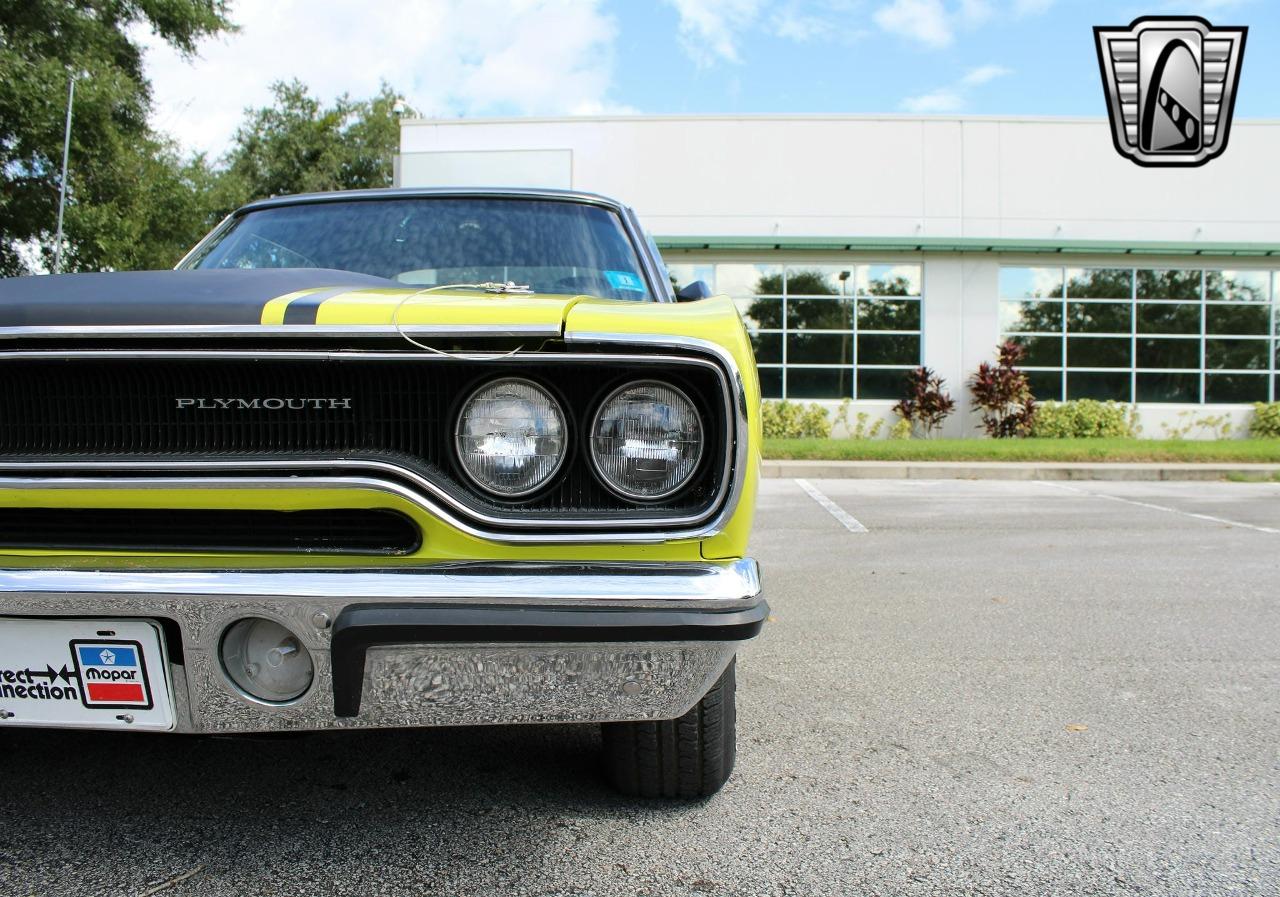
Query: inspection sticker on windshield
x=624, y=280
x=83, y=674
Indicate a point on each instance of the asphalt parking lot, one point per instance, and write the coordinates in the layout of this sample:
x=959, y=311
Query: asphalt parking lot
x=997, y=688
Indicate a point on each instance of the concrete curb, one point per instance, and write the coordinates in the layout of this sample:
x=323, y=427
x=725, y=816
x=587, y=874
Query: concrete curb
x=1007, y=470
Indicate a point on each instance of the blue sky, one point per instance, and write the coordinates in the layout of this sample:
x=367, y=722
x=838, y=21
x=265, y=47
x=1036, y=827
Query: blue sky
x=478, y=58
x=980, y=58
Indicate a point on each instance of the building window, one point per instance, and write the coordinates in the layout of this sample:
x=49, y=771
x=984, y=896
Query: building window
x=1144, y=334
x=824, y=331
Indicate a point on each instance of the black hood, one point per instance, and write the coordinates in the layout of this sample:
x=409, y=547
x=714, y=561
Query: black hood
x=158, y=298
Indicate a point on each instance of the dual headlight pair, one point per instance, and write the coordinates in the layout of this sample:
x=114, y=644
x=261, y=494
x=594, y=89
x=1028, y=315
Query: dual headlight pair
x=645, y=440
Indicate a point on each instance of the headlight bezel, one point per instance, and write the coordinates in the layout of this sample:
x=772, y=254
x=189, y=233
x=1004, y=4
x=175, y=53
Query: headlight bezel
x=566, y=429
x=589, y=436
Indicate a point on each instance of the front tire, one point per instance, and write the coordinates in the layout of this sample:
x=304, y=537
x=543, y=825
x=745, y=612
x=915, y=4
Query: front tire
x=688, y=757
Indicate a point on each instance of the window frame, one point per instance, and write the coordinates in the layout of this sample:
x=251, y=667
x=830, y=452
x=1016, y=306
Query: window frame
x=856, y=293
x=1202, y=336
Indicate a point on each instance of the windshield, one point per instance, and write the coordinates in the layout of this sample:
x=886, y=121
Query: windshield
x=551, y=246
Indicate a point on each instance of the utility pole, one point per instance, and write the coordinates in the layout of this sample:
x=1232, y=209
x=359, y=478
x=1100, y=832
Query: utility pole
x=401, y=110
x=62, y=195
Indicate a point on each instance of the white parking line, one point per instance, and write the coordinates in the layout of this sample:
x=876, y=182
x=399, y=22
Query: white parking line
x=847, y=520
x=1154, y=507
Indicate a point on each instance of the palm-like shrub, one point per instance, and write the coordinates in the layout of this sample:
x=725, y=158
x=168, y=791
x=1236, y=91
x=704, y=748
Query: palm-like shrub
x=1004, y=394
x=927, y=402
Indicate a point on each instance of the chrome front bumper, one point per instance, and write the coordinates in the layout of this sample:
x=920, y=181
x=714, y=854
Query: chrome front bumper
x=452, y=644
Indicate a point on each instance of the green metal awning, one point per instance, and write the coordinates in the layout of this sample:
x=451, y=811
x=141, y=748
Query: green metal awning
x=965, y=244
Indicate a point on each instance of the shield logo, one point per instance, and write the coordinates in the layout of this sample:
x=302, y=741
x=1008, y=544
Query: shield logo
x=1170, y=84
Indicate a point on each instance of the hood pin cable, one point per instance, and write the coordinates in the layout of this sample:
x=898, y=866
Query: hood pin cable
x=489, y=287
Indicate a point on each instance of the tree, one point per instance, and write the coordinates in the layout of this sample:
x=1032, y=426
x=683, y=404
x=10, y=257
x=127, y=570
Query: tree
x=174, y=202
x=298, y=145
x=809, y=314
x=42, y=42
x=825, y=314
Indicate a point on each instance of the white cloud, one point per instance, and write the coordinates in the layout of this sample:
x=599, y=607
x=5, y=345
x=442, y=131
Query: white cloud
x=954, y=97
x=944, y=100
x=975, y=12
x=596, y=107
x=795, y=25
x=710, y=29
x=926, y=21
x=1208, y=6
x=1023, y=8
x=984, y=73
x=935, y=23
x=447, y=57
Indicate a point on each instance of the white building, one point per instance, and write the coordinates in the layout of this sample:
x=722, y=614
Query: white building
x=861, y=246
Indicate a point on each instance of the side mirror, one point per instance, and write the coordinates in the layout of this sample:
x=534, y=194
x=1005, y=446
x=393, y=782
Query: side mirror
x=692, y=292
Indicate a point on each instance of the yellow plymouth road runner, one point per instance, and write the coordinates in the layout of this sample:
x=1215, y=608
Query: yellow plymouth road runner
x=384, y=458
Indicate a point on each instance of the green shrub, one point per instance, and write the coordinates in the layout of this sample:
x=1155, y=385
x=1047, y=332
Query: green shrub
x=865, y=428
x=1083, y=419
x=792, y=420
x=1205, y=426
x=862, y=427
x=1266, y=420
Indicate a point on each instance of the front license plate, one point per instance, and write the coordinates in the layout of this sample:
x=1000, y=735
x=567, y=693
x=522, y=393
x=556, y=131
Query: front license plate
x=86, y=674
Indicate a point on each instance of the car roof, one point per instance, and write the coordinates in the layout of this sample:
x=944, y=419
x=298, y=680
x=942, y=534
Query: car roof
x=412, y=192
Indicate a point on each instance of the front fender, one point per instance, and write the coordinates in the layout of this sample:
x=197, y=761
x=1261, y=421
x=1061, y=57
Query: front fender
x=714, y=321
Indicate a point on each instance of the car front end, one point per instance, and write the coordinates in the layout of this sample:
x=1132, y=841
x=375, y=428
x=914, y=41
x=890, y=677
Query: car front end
x=310, y=498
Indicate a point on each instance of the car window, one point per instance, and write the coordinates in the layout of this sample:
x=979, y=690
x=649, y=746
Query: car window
x=552, y=246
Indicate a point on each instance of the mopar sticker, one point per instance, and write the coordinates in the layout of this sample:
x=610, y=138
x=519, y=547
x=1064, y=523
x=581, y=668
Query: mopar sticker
x=112, y=674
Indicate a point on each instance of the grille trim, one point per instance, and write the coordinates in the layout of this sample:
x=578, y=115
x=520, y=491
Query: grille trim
x=291, y=475
x=654, y=350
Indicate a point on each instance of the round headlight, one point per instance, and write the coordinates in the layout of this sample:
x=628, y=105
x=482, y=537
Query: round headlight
x=266, y=661
x=646, y=440
x=511, y=437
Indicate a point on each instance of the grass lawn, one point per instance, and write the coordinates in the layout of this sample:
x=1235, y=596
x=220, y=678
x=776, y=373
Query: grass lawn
x=1229, y=450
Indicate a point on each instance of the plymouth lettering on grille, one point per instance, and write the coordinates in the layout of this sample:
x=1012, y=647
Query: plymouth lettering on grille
x=261, y=404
